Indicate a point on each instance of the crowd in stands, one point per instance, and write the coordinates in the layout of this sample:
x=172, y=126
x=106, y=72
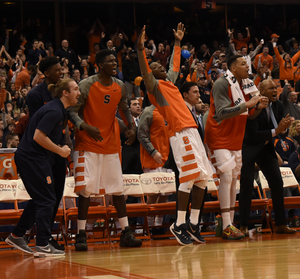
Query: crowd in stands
x=267, y=57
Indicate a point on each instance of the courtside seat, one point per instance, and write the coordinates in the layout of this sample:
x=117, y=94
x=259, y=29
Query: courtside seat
x=289, y=180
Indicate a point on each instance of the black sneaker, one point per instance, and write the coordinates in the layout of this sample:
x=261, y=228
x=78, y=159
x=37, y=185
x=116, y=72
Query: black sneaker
x=56, y=245
x=181, y=234
x=127, y=239
x=80, y=241
x=194, y=232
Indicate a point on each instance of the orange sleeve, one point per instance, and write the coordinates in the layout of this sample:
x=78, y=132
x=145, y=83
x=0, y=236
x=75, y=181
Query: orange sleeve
x=257, y=80
x=176, y=59
x=208, y=66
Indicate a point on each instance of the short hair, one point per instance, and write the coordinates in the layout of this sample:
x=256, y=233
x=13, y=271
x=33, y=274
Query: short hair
x=129, y=101
x=32, y=68
x=243, y=47
x=35, y=40
x=47, y=63
x=10, y=136
x=57, y=89
x=186, y=87
x=100, y=56
x=231, y=60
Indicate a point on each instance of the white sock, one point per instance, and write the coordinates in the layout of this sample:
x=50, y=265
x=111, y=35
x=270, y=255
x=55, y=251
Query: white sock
x=226, y=219
x=232, y=198
x=180, y=217
x=123, y=222
x=150, y=220
x=224, y=196
x=80, y=225
x=194, y=217
x=159, y=220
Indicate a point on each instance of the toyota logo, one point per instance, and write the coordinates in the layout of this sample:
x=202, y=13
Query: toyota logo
x=146, y=181
x=21, y=187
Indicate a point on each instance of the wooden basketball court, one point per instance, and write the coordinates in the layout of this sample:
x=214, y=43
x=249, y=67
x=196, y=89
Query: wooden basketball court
x=267, y=256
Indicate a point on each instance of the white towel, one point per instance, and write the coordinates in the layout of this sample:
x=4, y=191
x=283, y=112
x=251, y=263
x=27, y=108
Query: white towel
x=248, y=87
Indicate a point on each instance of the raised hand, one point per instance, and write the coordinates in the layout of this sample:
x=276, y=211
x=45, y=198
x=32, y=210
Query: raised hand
x=141, y=39
x=179, y=33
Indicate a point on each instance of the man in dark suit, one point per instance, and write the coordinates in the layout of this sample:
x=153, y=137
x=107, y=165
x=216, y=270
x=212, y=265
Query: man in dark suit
x=258, y=148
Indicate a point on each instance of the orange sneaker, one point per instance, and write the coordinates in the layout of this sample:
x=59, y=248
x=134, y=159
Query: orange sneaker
x=232, y=233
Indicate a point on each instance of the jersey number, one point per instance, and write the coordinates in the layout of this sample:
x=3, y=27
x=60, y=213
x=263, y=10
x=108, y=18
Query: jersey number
x=106, y=99
x=185, y=140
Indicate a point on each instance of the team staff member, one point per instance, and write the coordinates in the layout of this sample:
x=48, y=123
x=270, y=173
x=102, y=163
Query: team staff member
x=35, y=99
x=188, y=150
x=258, y=148
x=97, y=163
x=41, y=138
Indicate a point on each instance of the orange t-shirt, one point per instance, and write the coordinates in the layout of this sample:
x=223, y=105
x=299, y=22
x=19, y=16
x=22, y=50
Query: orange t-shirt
x=99, y=110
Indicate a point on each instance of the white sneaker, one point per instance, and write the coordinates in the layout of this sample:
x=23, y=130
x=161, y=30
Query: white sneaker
x=47, y=251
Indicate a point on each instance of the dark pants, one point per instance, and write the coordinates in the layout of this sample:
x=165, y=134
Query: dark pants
x=58, y=165
x=268, y=164
x=39, y=182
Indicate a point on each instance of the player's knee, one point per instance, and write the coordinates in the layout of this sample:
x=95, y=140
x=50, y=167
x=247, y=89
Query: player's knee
x=201, y=184
x=186, y=187
x=84, y=193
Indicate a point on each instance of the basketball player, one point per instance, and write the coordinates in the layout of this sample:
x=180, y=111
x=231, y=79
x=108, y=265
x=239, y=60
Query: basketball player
x=188, y=150
x=97, y=163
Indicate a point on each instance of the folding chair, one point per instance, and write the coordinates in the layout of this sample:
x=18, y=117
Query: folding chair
x=132, y=187
x=8, y=217
x=164, y=183
x=289, y=180
x=71, y=213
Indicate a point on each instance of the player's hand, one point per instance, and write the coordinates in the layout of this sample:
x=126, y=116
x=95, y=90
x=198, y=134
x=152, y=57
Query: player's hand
x=158, y=158
x=179, y=33
x=65, y=151
x=130, y=134
x=253, y=101
x=264, y=102
x=92, y=131
x=103, y=35
x=141, y=39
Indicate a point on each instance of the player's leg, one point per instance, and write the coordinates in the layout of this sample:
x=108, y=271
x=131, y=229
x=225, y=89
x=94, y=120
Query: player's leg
x=112, y=181
x=193, y=226
x=87, y=181
x=224, y=162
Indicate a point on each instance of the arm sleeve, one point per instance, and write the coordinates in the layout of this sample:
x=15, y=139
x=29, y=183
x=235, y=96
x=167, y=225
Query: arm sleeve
x=72, y=111
x=295, y=57
x=224, y=110
x=257, y=49
x=150, y=81
x=123, y=106
x=144, y=132
x=174, y=64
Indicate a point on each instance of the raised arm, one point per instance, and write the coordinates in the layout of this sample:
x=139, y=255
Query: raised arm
x=149, y=79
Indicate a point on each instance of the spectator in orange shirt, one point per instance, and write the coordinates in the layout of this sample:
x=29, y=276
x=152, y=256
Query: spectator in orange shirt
x=261, y=58
x=23, y=78
x=240, y=41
